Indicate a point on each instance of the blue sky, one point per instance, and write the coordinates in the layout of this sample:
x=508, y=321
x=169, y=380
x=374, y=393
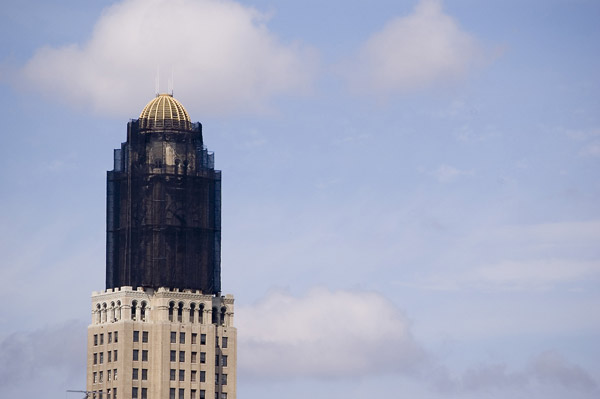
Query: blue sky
x=410, y=188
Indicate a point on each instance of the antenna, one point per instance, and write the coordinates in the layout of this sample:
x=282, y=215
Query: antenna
x=157, y=81
x=172, y=80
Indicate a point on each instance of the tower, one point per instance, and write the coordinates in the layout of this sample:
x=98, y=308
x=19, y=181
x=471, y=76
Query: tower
x=161, y=328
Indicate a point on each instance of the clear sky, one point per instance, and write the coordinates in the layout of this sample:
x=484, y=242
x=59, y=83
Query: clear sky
x=410, y=188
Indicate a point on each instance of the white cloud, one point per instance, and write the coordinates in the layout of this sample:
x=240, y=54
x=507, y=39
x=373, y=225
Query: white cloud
x=325, y=334
x=414, y=51
x=223, y=57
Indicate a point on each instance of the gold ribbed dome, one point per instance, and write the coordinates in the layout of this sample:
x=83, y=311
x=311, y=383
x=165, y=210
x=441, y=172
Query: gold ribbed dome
x=164, y=112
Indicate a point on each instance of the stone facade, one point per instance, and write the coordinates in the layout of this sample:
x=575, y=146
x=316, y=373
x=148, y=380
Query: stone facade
x=161, y=344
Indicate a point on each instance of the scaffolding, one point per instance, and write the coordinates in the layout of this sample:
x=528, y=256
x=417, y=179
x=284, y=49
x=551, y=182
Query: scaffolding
x=164, y=211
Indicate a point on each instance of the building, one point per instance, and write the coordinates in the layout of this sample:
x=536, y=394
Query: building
x=161, y=329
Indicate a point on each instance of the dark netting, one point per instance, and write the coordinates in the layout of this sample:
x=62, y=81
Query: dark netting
x=164, y=212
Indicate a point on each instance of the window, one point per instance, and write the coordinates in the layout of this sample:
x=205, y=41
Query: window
x=181, y=375
x=101, y=376
x=134, y=393
x=224, y=342
x=109, y=337
x=109, y=353
x=193, y=394
x=108, y=375
x=223, y=395
x=173, y=356
x=136, y=336
x=115, y=355
x=115, y=378
x=144, y=393
x=116, y=340
x=136, y=354
x=101, y=339
x=101, y=358
x=173, y=337
x=145, y=336
x=182, y=338
x=108, y=393
x=216, y=360
x=134, y=374
x=202, y=394
x=172, y=375
x=95, y=377
x=95, y=358
x=182, y=356
x=223, y=379
x=180, y=312
x=181, y=393
x=202, y=357
x=224, y=360
x=193, y=375
x=194, y=338
x=95, y=339
x=194, y=357
x=144, y=356
x=144, y=374
x=202, y=339
x=172, y=393
x=115, y=392
x=216, y=379
x=202, y=376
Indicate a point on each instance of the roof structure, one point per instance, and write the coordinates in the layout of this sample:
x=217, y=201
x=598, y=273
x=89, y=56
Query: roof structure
x=165, y=112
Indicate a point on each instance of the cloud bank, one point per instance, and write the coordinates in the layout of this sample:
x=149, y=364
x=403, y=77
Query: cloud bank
x=223, y=51
x=413, y=52
x=325, y=334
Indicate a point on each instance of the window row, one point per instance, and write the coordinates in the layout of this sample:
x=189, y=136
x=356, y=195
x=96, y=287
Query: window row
x=136, y=355
x=136, y=336
x=112, y=312
x=110, y=394
x=98, y=377
x=99, y=338
x=135, y=374
x=195, y=376
x=195, y=314
x=135, y=393
x=194, y=394
x=182, y=338
x=98, y=358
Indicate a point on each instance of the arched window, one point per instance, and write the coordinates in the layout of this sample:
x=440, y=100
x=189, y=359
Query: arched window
x=171, y=308
x=104, y=312
x=201, y=313
x=143, y=311
x=111, y=314
x=98, y=314
x=118, y=311
x=133, y=307
x=180, y=312
x=223, y=312
x=192, y=312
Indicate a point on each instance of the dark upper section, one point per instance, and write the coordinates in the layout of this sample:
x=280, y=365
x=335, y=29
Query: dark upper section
x=164, y=205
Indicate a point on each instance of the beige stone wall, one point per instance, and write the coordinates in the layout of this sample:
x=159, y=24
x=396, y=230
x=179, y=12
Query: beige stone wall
x=144, y=321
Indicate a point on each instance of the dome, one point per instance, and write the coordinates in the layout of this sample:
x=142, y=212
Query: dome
x=165, y=112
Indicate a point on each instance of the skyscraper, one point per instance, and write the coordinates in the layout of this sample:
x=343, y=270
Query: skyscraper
x=161, y=328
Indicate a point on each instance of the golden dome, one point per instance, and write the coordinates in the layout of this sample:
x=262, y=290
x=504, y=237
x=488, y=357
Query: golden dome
x=164, y=112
